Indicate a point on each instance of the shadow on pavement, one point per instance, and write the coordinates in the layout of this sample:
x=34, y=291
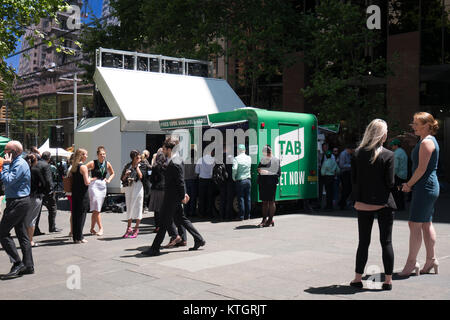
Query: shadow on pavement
x=338, y=290
x=52, y=243
x=247, y=227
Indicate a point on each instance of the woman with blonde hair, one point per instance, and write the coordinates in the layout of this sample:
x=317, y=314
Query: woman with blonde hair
x=97, y=189
x=425, y=191
x=80, y=195
x=373, y=180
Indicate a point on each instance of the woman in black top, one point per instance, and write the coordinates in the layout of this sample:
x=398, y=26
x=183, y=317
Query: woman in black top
x=36, y=194
x=97, y=189
x=373, y=182
x=157, y=188
x=269, y=172
x=80, y=195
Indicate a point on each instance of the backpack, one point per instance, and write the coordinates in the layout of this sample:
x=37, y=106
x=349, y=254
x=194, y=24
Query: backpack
x=220, y=174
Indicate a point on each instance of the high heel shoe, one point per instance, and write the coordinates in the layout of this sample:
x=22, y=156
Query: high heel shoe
x=415, y=269
x=93, y=232
x=435, y=265
x=128, y=233
x=269, y=223
x=262, y=224
x=135, y=233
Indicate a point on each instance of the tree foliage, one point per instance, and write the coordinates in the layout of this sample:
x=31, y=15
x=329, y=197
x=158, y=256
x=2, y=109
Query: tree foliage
x=17, y=16
x=336, y=43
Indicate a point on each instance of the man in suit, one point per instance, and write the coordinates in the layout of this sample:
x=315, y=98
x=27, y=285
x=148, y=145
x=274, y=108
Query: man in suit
x=49, y=199
x=174, y=195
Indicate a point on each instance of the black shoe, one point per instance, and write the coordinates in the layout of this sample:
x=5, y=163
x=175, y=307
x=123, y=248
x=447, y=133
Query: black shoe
x=15, y=271
x=151, y=253
x=358, y=285
x=387, y=286
x=55, y=230
x=27, y=270
x=197, y=245
x=37, y=232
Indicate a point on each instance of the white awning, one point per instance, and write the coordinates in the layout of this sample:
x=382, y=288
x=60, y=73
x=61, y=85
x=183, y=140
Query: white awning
x=143, y=98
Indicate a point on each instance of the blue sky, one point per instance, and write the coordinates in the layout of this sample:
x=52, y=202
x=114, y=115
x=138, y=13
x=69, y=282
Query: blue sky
x=94, y=9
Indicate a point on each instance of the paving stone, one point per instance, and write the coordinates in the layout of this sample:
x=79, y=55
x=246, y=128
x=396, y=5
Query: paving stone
x=305, y=256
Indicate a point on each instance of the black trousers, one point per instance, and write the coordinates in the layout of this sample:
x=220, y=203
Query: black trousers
x=205, y=197
x=385, y=223
x=14, y=217
x=175, y=230
x=172, y=212
x=79, y=210
x=399, y=195
x=48, y=201
x=147, y=185
x=227, y=193
x=346, y=178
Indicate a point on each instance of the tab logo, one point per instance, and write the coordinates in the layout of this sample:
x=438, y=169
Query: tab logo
x=290, y=147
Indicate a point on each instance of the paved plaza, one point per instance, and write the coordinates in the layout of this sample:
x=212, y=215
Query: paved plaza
x=305, y=256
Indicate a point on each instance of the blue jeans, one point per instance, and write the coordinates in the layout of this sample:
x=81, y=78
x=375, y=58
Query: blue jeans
x=243, y=188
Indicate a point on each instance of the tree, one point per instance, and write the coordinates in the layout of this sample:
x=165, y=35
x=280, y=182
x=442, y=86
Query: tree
x=261, y=36
x=16, y=17
x=342, y=73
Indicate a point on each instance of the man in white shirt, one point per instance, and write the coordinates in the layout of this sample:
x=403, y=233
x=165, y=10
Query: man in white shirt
x=204, y=169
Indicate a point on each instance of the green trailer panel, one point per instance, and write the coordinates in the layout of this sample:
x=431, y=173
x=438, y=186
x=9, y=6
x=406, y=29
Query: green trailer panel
x=293, y=138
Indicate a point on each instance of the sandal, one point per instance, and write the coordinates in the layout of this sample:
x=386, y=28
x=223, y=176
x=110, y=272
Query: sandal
x=128, y=233
x=135, y=233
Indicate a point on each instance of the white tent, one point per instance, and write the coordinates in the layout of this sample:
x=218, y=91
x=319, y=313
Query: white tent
x=61, y=152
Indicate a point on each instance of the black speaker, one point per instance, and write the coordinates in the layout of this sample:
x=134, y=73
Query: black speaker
x=56, y=137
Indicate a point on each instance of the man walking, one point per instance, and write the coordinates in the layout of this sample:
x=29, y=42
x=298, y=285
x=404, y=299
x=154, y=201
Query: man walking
x=49, y=199
x=16, y=178
x=174, y=196
x=241, y=174
x=401, y=172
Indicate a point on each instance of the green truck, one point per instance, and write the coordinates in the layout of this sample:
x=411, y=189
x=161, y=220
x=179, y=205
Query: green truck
x=292, y=137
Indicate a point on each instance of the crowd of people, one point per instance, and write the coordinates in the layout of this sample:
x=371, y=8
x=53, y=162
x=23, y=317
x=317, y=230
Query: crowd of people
x=376, y=177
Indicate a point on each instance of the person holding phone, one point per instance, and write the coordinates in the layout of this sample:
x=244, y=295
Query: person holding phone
x=16, y=178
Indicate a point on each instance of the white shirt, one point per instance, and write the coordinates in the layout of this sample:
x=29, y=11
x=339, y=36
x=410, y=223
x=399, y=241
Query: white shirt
x=204, y=167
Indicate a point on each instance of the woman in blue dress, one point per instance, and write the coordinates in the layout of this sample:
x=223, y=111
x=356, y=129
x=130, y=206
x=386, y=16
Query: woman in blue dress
x=425, y=191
